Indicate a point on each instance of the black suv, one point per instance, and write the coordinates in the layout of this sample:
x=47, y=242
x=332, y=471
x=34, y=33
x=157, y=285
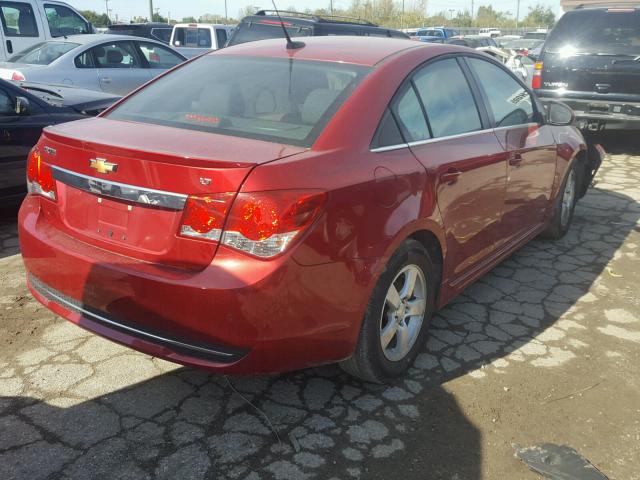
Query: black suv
x=265, y=24
x=155, y=31
x=591, y=61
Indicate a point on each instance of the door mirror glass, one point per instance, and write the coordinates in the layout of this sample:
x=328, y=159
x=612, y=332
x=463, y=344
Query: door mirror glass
x=559, y=114
x=22, y=106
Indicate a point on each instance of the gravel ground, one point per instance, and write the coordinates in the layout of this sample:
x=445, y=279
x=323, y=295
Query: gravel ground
x=545, y=348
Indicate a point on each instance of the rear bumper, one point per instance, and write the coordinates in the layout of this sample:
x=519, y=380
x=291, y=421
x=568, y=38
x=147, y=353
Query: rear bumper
x=599, y=112
x=239, y=315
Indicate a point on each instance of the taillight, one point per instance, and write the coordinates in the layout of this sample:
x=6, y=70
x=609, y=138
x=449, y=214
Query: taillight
x=40, y=179
x=536, y=81
x=204, y=216
x=261, y=224
x=265, y=223
x=18, y=77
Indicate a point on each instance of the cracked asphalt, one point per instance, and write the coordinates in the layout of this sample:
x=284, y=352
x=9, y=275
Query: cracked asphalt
x=545, y=348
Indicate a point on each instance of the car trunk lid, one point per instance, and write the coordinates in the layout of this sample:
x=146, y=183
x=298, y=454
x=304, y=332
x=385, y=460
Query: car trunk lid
x=122, y=186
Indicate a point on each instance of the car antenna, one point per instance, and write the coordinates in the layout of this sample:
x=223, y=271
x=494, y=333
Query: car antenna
x=291, y=45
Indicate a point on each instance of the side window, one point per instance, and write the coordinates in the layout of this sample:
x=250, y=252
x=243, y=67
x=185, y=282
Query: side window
x=408, y=111
x=388, y=133
x=197, y=37
x=162, y=34
x=447, y=98
x=158, y=56
x=221, y=37
x=509, y=101
x=6, y=104
x=376, y=32
x=18, y=19
x=85, y=60
x=115, y=55
x=64, y=22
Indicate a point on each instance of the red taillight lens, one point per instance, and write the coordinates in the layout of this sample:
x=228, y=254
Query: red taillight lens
x=17, y=77
x=204, y=216
x=536, y=81
x=265, y=223
x=40, y=179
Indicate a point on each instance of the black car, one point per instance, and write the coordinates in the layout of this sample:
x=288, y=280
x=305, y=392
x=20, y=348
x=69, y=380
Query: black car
x=472, y=41
x=265, y=24
x=24, y=111
x=155, y=31
x=591, y=61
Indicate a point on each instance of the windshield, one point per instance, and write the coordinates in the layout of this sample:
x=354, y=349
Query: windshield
x=264, y=29
x=43, y=53
x=528, y=43
x=278, y=100
x=608, y=32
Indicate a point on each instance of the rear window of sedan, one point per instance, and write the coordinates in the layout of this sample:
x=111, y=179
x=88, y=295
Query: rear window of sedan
x=43, y=53
x=277, y=100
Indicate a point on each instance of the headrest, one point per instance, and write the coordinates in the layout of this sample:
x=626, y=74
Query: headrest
x=114, y=56
x=316, y=104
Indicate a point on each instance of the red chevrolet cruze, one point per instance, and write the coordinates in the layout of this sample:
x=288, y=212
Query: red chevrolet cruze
x=265, y=208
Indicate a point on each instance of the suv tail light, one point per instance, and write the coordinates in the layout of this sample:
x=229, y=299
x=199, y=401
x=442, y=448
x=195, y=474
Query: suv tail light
x=536, y=81
x=40, y=179
x=262, y=224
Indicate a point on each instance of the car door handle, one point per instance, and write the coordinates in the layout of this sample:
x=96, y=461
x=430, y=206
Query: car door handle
x=451, y=176
x=9, y=46
x=516, y=160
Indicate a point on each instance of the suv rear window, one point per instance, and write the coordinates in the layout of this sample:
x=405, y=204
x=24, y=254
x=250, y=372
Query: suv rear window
x=596, y=31
x=277, y=100
x=263, y=29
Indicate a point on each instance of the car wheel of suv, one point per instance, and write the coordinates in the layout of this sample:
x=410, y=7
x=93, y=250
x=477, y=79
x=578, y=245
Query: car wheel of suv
x=564, y=206
x=397, y=316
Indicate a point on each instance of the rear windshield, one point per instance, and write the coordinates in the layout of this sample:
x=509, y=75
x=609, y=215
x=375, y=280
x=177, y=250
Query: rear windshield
x=278, y=100
x=596, y=31
x=264, y=29
x=192, y=37
x=43, y=53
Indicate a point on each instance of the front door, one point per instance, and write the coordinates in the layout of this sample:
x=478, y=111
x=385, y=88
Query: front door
x=20, y=26
x=530, y=147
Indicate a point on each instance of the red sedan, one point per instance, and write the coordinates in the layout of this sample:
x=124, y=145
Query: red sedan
x=264, y=208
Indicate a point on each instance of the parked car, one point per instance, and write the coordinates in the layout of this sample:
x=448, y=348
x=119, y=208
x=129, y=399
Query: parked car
x=490, y=32
x=265, y=24
x=539, y=34
x=24, y=111
x=434, y=34
x=257, y=221
x=523, y=45
x=192, y=39
x=591, y=61
x=502, y=40
x=28, y=22
x=155, y=31
x=112, y=63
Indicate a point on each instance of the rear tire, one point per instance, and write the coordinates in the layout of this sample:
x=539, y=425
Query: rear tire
x=397, y=316
x=564, y=206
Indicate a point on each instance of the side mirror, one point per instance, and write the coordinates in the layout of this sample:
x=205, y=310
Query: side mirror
x=559, y=114
x=22, y=106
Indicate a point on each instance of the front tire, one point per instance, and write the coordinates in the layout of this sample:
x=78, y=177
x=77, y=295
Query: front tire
x=397, y=316
x=564, y=206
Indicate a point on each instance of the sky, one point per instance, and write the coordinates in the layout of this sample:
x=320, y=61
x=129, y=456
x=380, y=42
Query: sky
x=126, y=9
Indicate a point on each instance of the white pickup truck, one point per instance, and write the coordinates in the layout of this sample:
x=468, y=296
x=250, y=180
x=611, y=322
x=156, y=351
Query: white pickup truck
x=191, y=39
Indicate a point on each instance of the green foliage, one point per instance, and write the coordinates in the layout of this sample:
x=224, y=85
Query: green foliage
x=539, y=16
x=99, y=20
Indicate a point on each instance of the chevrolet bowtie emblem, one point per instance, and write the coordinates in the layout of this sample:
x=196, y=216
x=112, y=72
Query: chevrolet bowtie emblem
x=102, y=166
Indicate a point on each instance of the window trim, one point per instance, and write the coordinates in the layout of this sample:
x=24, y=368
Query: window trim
x=4, y=23
x=68, y=7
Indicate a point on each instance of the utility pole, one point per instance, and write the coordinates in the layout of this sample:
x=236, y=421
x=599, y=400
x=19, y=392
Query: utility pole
x=106, y=6
x=151, y=10
x=402, y=17
x=331, y=6
x=517, y=15
x=472, y=13
x=226, y=15
x=451, y=10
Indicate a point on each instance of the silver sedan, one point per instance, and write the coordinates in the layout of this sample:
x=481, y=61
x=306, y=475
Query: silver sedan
x=111, y=63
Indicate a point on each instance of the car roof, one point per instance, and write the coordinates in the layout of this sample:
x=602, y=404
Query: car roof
x=366, y=51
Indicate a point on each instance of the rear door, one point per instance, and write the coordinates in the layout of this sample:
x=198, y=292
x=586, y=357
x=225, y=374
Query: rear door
x=595, y=51
x=463, y=155
x=120, y=67
x=157, y=58
x=530, y=146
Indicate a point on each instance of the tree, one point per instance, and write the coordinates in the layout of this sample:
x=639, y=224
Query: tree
x=189, y=20
x=97, y=19
x=159, y=18
x=539, y=16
